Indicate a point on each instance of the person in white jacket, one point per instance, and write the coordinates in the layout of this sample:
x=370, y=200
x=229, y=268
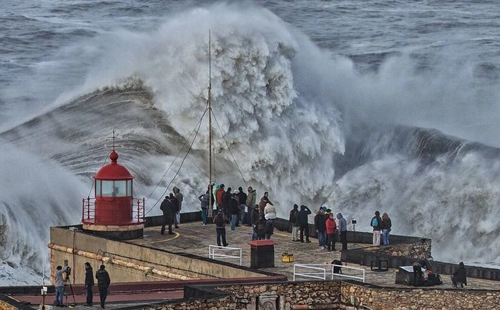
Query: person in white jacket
x=271, y=210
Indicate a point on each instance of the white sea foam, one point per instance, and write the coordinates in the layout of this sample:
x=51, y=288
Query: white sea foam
x=283, y=109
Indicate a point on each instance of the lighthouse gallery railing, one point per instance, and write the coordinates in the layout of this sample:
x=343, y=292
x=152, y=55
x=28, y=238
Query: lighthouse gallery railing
x=138, y=210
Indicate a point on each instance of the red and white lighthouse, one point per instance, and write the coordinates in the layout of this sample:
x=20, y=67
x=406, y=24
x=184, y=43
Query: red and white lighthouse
x=113, y=212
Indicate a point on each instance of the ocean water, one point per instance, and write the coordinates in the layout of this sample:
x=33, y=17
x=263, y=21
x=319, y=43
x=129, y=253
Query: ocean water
x=359, y=105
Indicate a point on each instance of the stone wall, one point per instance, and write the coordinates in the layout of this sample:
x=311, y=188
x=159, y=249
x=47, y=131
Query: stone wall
x=355, y=296
x=329, y=295
x=419, y=249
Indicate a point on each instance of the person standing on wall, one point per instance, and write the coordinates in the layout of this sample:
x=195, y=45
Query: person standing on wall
x=89, y=284
x=343, y=230
x=376, y=223
x=103, y=282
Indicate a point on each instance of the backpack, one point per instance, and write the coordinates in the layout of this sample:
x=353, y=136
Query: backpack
x=374, y=222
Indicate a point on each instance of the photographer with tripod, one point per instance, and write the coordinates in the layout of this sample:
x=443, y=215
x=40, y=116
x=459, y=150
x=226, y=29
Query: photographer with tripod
x=59, y=283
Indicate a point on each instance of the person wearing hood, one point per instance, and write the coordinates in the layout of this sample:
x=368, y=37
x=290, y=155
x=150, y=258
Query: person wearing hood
x=303, y=221
x=343, y=230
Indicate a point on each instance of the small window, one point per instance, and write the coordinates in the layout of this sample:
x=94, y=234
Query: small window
x=107, y=188
x=97, y=188
x=113, y=188
x=120, y=189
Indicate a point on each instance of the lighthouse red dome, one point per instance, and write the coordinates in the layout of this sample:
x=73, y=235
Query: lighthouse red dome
x=113, y=171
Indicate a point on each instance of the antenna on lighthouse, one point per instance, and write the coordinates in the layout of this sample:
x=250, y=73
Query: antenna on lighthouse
x=113, y=143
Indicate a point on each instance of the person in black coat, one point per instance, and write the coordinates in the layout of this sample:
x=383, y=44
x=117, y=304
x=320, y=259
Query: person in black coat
x=303, y=221
x=168, y=215
x=320, y=226
x=294, y=222
x=242, y=199
x=226, y=198
x=459, y=276
x=254, y=218
x=89, y=283
x=103, y=282
x=176, y=208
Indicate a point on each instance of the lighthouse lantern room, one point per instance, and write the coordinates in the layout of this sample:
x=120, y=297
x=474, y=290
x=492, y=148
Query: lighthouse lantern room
x=113, y=212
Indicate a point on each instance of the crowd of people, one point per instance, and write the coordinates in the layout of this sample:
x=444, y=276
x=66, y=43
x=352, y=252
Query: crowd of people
x=235, y=208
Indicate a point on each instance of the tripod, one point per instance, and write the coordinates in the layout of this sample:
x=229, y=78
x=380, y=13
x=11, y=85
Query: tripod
x=72, y=293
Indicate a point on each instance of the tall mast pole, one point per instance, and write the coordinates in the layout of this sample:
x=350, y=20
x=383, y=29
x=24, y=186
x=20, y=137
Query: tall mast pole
x=210, y=195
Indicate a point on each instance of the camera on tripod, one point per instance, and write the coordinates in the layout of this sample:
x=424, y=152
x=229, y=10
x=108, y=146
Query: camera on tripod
x=68, y=272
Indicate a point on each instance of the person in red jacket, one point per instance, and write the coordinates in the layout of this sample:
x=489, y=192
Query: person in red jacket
x=331, y=232
x=218, y=196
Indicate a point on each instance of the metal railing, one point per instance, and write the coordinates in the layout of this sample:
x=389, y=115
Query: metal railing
x=324, y=271
x=214, y=251
x=138, y=210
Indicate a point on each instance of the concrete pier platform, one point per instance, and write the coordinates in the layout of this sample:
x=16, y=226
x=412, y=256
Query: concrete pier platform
x=195, y=239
